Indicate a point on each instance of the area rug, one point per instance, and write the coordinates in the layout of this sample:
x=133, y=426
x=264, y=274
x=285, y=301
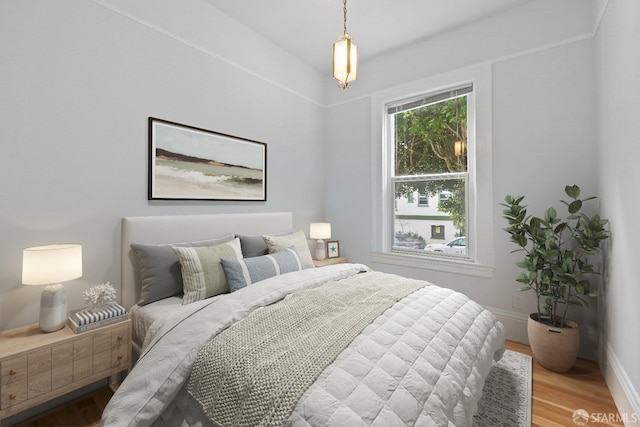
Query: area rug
x=506, y=396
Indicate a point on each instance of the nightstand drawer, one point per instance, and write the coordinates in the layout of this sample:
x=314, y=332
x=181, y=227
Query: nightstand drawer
x=14, y=393
x=62, y=365
x=39, y=372
x=14, y=381
x=82, y=358
x=120, y=347
x=14, y=370
x=120, y=337
x=102, y=351
x=102, y=342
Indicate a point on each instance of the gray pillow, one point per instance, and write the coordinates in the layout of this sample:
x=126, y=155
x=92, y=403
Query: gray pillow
x=159, y=268
x=254, y=245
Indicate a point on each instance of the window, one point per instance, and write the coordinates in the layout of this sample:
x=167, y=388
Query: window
x=423, y=200
x=445, y=195
x=437, y=232
x=426, y=135
x=433, y=137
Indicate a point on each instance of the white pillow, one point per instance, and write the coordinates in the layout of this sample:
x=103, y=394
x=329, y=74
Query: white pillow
x=297, y=240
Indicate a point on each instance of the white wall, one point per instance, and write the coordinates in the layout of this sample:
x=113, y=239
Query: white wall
x=544, y=139
x=543, y=114
x=564, y=111
x=618, y=71
x=77, y=83
x=536, y=25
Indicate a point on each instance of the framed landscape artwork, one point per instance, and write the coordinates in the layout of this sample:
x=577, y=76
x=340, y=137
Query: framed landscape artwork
x=188, y=163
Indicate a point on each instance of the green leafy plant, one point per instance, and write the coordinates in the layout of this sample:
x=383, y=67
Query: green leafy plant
x=557, y=251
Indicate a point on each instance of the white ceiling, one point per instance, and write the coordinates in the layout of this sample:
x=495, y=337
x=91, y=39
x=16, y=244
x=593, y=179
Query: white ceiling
x=308, y=28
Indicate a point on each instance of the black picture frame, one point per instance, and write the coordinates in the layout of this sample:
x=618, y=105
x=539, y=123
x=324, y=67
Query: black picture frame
x=190, y=163
x=333, y=249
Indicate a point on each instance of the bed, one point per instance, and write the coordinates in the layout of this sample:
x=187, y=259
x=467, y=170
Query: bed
x=290, y=344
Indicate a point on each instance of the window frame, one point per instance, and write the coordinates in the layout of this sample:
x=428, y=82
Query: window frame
x=479, y=260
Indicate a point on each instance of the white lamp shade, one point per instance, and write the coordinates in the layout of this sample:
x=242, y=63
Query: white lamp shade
x=345, y=61
x=44, y=265
x=320, y=230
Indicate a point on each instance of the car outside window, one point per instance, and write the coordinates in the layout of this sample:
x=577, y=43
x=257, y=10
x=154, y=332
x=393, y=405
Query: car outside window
x=429, y=140
x=462, y=173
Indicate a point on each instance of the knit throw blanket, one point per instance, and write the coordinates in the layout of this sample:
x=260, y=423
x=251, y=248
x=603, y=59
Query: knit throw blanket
x=254, y=372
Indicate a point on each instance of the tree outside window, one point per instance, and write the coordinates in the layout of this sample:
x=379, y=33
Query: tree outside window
x=430, y=158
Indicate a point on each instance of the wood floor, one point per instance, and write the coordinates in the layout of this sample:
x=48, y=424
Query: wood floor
x=555, y=398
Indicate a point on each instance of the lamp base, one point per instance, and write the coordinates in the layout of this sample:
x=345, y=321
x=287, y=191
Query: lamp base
x=321, y=250
x=53, y=308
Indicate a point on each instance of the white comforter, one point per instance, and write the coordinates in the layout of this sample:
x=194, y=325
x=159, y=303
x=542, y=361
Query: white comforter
x=423, y=362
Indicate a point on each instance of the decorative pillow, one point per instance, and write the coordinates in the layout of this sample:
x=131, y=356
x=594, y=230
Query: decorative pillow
x=254, y=245
x=244, y=272
x=202, y=272
x=159, y=268
x=297, y=239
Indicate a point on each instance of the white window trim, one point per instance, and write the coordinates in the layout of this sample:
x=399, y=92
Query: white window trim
x=480, y=221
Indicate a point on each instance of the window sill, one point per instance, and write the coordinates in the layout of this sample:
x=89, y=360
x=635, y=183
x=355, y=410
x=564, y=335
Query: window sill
x=430, y=262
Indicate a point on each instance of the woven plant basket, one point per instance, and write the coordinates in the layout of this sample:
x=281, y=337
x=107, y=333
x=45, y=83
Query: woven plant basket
x=555, y=349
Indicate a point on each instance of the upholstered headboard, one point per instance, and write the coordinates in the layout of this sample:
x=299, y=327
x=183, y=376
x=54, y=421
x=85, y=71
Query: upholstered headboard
x=183, y=228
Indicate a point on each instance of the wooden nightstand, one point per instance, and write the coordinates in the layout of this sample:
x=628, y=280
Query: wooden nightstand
x=36, y=367
x=329, y=261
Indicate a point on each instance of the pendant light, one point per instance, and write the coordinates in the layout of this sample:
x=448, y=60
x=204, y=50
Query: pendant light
x=345, y=56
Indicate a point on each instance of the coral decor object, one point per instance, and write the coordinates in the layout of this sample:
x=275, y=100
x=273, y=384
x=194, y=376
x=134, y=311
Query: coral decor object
x=100, y=296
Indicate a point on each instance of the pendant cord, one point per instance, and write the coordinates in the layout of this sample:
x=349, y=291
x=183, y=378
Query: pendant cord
x=344, y=9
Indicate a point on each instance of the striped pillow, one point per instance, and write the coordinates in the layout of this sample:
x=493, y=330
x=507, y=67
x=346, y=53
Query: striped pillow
x=202, y=273
x=244, y=272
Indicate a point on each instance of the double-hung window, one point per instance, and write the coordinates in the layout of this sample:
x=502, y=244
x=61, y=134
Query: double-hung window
x=428, y=136
x=432, y=140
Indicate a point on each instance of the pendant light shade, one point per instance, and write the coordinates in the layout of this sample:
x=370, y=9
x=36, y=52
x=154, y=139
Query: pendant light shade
x=345, y=56
x=345, y=61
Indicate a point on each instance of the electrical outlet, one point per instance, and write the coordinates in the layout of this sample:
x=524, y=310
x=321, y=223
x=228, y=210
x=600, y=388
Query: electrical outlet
x=517, y=301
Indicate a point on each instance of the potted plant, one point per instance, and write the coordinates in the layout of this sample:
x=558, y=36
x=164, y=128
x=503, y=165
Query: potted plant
x=557, y=268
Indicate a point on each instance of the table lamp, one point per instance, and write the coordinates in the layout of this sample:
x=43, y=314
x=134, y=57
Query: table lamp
x=50, y=265
x=320, y=230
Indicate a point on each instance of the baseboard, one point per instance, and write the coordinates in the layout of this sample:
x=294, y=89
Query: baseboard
x=516, y=325
x=514, y=322
x=624, y=394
